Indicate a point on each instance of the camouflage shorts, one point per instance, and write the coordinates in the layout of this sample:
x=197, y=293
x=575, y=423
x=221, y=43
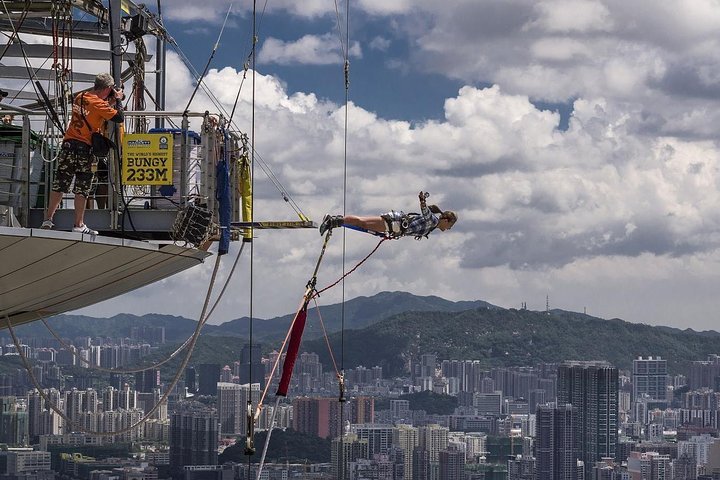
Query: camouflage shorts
x=75, y=164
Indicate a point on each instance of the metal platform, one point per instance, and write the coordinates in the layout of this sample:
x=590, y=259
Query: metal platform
x=276, y=224
x=47, y=272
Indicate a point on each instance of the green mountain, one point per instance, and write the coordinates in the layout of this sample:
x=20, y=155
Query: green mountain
x=392, y=328
x=360, y=312
x=177, y=329
x=500, y=337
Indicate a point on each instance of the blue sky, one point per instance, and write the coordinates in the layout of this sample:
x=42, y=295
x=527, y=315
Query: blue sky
x=379, y=79
x=576, y=139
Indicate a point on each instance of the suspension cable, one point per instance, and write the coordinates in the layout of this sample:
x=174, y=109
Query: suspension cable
x=163, y=398
x=249, y=441
x=341, y=376
x=212, y=55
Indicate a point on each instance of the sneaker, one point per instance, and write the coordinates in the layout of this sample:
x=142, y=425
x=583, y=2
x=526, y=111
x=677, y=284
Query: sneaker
x=84, y=229
x=47, y=225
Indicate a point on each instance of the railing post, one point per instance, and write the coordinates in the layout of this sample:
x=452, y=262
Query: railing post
x=24, y=177
x=184, y=159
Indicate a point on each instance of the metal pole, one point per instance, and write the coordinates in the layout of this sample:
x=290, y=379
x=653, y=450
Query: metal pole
x=184, y=159
x=116, y=69
x=161, y=47
x=25, y=183
x=159, y=87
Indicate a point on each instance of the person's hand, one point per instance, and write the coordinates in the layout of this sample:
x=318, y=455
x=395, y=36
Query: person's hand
x=118, y=93
x=422, y=196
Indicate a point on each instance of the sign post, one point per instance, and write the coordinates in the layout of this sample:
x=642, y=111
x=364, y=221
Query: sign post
x=147, y=159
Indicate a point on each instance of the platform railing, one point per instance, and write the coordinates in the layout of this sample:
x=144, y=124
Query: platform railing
x=193, y=176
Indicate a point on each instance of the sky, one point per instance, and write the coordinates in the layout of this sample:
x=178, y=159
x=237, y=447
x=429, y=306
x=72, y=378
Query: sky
x=576, y=140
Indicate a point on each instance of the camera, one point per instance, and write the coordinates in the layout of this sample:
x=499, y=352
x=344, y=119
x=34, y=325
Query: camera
x=117, y=92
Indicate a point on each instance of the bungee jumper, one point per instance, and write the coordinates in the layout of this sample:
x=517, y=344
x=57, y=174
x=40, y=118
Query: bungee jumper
x=396, y=224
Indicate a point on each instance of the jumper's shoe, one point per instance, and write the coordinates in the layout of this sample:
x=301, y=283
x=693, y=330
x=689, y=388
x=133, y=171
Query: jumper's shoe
x=47, y=225
x=329, y=222
x=84, y=229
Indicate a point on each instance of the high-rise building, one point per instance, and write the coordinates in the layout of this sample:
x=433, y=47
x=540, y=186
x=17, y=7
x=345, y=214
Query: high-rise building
x=650, y=378
x=536, y=397
x=684, y=467
x=209, y=374
x=488, y=403
x=231, y=410
x=147, y=380
x=26, y=464
x=232, y=406
x=556, y=442
x=649, y=466
x=452, y=465
x=704, y=373
x=405, y=437
x=13, y=422
x=251, y=368
x=475, y=447
x=317, y=416
x=428, y=364
x=420, y=464
x=226, y=374
x=379, y=437
x=697, y=447
x=191, y=379
x=346, y=449
x=433, y=438
x=522, y=467
x=193, y=436
x=400, y=409
x=592, y=387
x=362, y=410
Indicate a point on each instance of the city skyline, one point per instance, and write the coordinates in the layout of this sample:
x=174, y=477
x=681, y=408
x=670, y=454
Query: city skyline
x=444, y=418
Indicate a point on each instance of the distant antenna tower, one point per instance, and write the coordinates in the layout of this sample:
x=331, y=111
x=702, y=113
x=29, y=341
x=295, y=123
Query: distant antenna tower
x=584, y=310
x=523, y=305
x=547, y=304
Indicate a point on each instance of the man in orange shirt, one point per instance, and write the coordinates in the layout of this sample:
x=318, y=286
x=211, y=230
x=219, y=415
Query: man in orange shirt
x=90, y=112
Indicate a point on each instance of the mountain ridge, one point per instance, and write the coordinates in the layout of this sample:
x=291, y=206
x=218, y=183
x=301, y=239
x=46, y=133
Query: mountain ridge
x=400, y=326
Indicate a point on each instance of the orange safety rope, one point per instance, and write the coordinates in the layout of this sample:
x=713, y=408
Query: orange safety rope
x=318, y=292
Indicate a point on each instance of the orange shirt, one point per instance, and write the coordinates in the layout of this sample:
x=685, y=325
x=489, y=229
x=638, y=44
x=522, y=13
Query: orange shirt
x=97, y=111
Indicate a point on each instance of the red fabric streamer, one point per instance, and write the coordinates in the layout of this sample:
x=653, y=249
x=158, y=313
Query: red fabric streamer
x=292, y=351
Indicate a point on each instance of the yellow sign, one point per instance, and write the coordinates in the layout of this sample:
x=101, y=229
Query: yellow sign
x=147, y=159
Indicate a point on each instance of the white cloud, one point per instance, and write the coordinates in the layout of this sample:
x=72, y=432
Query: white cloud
x=592, y=209
x=379, y=43
x=557, y=16
x=617, y=214
x=307, y=50
x=213, y=11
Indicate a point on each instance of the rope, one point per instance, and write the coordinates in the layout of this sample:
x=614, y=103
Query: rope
x=341, y=375
x=165, y=395
x=277, y=360
x=327, y=340
x=72, y=350
x=249, y=441
x=318, y=292
x=212, y=54
x=15, y=35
